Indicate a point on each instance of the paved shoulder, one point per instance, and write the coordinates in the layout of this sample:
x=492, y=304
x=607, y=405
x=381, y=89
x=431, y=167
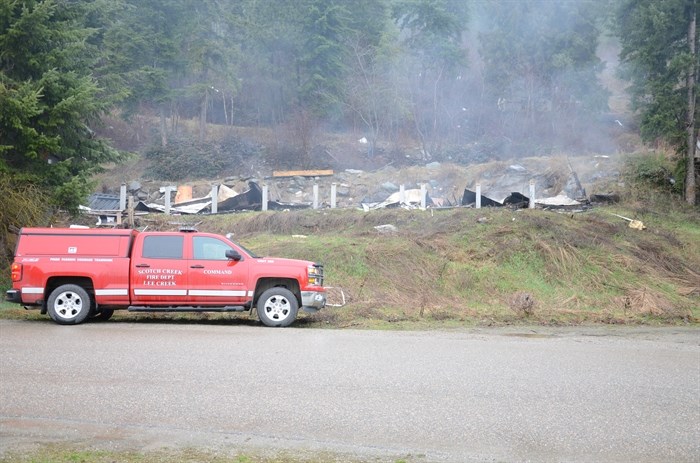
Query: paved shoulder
x=509, y=394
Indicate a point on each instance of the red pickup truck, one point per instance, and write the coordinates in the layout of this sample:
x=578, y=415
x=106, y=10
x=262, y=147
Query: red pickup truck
x=74, y=274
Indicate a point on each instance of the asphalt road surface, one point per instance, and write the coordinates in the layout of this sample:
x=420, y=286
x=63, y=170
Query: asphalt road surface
x=518, y=394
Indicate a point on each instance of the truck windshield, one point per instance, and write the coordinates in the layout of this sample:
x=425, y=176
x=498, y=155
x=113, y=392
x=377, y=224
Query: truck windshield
x=247, y=251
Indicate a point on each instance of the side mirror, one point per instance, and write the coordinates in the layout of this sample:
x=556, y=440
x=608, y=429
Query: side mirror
x=233, y=254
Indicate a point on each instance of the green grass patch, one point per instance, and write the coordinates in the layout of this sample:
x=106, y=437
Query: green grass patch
x=12, y=311
x=61, y=453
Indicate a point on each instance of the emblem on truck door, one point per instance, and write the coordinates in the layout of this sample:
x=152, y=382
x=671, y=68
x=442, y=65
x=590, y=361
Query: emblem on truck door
x=72, y=250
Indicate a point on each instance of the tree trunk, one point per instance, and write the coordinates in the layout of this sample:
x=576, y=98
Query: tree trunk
x=203, y=116
x=163, y=132
x=690, y=186
x=223, y=99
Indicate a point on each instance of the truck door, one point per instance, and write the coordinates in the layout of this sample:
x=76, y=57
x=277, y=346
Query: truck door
x=159, y=274
x=214, y=278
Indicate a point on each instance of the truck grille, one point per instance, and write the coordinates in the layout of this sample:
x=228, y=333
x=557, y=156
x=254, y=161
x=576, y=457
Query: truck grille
x=316, y=274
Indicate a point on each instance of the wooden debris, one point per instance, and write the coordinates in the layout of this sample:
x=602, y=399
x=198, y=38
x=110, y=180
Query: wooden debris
x=636, y=224
x=302, y=173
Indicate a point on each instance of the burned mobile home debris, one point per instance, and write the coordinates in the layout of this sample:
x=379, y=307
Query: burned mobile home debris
x=108, y=211
x=517, y=200
x=252, y=200
x=434, y=187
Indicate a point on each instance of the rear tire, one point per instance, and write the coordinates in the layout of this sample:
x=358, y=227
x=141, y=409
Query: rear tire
x=277, y=307
x=69, y=305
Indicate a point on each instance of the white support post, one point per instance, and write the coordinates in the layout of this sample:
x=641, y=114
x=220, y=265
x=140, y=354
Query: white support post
x=214, y=199
x=264, y=197
x=333, y=195
x=423, y=194
x=532, y=194
x=131, y=212
x=315, y=195
x=402, y=194
x=122, y=197
x=168, y=191
x=478, y=195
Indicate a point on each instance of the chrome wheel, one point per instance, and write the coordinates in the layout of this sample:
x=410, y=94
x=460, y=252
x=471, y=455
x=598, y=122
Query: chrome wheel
x=277, y=308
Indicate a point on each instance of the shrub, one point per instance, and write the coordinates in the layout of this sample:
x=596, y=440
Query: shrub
x=24, y=205
x=652, y=171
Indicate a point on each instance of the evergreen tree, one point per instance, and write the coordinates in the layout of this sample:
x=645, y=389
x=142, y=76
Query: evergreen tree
x=324, y=54
x=173, y=56
x=540, y=67
x=659, y=46
x=370, y=92
x=49, y=100
x=432, y=31
x=206, y=41
x=140, y=55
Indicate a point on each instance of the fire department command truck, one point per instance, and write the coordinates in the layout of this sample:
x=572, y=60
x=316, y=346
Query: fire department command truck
x=74, y=274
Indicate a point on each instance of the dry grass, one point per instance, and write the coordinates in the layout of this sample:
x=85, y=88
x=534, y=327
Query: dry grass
x=562, y=259
x=688, y=283
x=653, y=254
x=522, y=304
x=647, y=302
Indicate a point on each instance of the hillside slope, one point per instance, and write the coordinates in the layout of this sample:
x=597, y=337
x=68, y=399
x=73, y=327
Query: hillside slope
x=487, y=266
x=464, y=266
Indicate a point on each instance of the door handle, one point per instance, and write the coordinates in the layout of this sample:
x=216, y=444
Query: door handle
x=142, y=265
x=196, y=266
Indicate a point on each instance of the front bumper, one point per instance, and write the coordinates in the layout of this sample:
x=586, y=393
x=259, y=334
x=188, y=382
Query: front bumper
x=13, y=295
x=313, y=301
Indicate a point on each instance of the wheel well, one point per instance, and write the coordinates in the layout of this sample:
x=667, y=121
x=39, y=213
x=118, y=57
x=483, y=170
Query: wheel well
x=55, y=282
x=266, y=283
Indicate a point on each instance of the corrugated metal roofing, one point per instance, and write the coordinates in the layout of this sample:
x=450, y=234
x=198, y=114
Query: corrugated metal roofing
x=103, y=202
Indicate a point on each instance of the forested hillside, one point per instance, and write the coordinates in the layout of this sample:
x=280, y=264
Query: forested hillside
x=456, y=80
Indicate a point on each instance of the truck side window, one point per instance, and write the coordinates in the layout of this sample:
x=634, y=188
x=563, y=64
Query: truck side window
x=209, y=248
x=163, y=247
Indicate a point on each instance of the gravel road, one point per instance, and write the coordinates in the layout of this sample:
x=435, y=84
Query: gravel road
x=509, y=394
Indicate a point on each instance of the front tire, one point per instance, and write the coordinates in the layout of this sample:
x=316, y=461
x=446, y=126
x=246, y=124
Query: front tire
x=277, y=307
x=69, y=305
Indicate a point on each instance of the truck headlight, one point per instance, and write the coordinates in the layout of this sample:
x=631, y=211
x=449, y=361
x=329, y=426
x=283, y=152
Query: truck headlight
x=315, y=274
